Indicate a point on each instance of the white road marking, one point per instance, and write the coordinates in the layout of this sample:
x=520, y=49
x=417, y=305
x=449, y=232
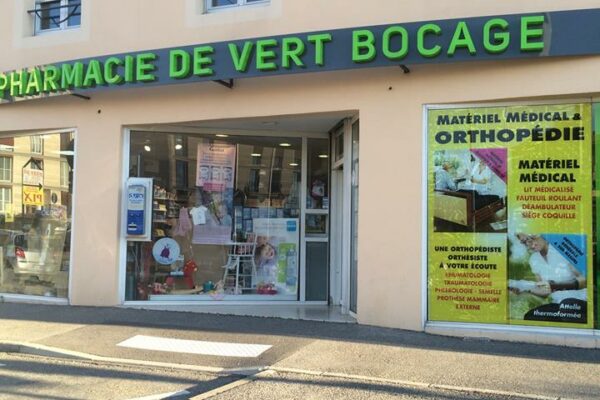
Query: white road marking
x=195, y=346
x=162, y=395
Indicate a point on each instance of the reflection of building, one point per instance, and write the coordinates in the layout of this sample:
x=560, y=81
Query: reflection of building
x=34, y=163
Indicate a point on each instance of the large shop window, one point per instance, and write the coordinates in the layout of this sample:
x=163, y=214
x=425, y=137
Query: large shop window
x=510, y=223
x=225, y=217
x=35, y=214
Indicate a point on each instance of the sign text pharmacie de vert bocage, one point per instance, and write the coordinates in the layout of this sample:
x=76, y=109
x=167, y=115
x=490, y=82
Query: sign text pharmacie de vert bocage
x=562, y=33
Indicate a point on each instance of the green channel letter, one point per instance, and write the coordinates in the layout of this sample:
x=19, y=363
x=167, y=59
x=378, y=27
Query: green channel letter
x=319, y=40
x=18, y=80
x=292, y=49
x=532, y=28
x=51, y=79
x=421, y=33
x=34, y=83
x=145, y=66
x=241, y=61
x=498, y=41
x=203, y=61
x=265, y=56
x=179, y=64
x=71, y=76
x=461, y=39
x=110, y=71
x=3, y=85
x=93, y=74
x=363, y=46
x=388, y=35
x=129, y=69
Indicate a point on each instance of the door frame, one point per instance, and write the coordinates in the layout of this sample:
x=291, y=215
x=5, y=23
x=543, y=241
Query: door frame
x=341, y=228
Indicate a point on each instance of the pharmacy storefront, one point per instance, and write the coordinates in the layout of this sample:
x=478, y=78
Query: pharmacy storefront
x=226, y=172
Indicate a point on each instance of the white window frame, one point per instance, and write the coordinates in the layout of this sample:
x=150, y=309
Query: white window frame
x=64, y=13
x=5, y=168
x=239, y=3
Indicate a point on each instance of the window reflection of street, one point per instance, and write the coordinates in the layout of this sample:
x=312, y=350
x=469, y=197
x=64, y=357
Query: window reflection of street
x=35, y=214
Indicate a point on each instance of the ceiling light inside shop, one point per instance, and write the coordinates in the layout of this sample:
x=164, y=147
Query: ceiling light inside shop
x=293, y=164
x=323, y=156
x=221, y=135
x=178, y=146
x=285, y=144
x=256, y=155
x=147, y=147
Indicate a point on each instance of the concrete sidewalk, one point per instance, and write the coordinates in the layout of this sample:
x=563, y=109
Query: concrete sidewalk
x=359, y=352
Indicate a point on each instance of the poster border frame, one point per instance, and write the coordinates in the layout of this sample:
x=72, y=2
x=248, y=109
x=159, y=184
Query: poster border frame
x=426, y=322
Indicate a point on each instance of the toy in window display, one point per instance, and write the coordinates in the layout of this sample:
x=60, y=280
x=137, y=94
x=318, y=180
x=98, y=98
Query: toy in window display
x=317, y=193
x=189, y=268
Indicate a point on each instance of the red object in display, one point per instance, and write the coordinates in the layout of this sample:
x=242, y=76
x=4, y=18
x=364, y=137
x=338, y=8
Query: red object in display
x=19, y=252
x=188, y=275
x=268, y=288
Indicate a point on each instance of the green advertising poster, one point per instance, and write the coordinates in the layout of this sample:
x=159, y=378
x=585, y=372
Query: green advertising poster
x=510, y=215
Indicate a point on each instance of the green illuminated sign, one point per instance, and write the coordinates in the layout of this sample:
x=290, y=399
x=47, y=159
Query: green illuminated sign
x=500, y=37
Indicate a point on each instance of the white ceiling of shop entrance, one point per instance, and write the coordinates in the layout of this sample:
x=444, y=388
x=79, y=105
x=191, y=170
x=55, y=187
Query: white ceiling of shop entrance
x=307, y=123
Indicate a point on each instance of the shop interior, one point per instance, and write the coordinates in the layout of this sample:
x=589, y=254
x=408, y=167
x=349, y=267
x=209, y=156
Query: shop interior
x=240, y=210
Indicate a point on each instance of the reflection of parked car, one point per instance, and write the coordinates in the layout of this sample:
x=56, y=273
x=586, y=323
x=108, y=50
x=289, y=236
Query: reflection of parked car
x=38, y=255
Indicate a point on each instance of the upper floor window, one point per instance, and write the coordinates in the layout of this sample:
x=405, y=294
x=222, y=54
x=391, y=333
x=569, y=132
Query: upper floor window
x=64, y=174
x=5, y=198
x=53, y=15
x=36, y=144
x=212, y=5
x=6, y=169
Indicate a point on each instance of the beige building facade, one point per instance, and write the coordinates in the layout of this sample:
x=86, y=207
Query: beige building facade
x=362, y=248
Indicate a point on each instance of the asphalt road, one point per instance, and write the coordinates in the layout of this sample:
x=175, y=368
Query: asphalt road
x=34, y=377
x=303, y=387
